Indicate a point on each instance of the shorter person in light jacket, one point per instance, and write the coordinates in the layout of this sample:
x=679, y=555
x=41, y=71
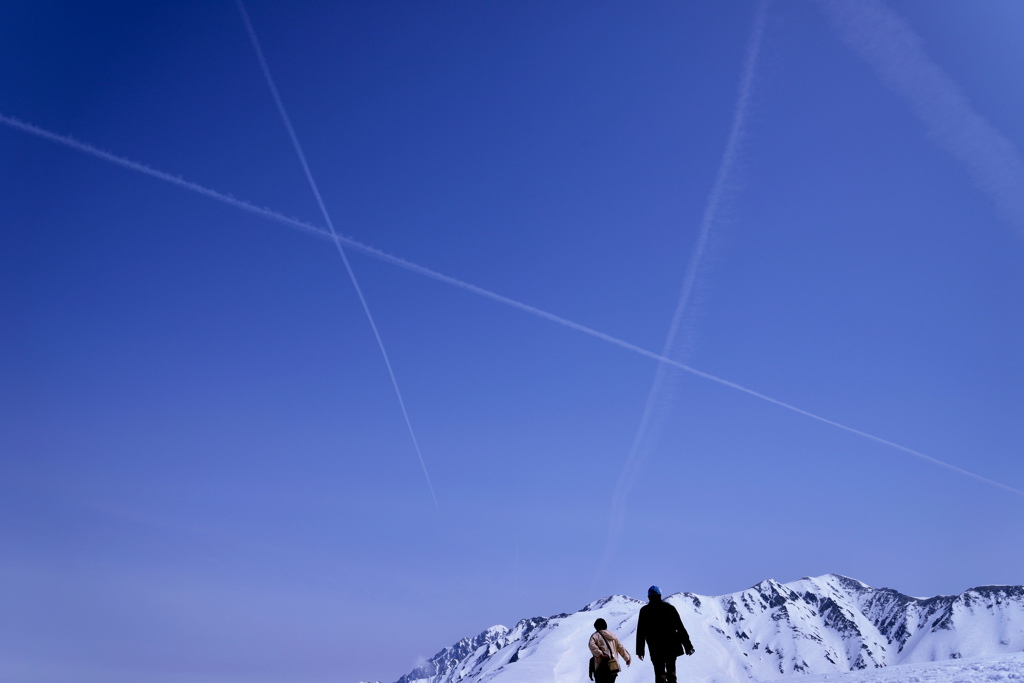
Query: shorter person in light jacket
x=605, y=646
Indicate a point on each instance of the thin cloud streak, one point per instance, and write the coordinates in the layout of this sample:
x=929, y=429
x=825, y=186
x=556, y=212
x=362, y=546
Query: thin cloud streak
x=480, y=291
x=337, y=243
x=894, y=50
x=649, y=422
x=86, y=148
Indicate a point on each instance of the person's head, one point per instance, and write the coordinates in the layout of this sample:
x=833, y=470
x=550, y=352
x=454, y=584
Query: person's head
x=653, y=593
x=600, y=625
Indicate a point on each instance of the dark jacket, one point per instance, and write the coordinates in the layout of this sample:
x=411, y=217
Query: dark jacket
x=662, y=629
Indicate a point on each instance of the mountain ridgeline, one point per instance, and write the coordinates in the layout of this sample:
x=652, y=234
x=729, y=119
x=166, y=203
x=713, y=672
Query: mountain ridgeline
x=828, y=624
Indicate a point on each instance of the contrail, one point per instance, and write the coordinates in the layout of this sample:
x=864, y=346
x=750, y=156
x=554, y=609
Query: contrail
x=86, y=148
x=309, y=228
x=480, y=291
x=649, y=422
x=337, y=243
x=894, y=50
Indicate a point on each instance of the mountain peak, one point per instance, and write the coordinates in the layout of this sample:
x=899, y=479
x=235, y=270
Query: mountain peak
x=610, y=600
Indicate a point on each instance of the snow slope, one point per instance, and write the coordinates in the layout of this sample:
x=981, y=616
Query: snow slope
x=992, y=669
x=825, y=625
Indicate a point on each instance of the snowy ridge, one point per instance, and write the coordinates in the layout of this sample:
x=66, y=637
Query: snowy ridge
x=825, y=625
x=470, y=657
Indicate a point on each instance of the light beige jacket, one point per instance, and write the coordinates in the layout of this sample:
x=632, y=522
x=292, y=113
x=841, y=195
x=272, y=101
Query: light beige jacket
x=599, y=649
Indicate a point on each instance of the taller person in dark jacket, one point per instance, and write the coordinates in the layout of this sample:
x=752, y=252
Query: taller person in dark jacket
x=662, y=630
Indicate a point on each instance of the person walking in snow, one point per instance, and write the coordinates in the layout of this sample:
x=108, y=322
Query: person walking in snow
x=662, y=630
x=605, y=646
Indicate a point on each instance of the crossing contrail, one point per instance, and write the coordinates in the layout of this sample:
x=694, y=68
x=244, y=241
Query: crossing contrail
x=650, y=421
x=309, y=228
x=337, y=243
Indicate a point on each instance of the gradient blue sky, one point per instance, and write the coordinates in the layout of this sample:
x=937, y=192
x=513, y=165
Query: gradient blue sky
x=204, y=471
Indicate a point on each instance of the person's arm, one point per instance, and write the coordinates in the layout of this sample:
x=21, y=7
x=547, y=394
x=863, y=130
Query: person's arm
x=683, y=635
x=623, y=651
x=640, y=636
x=595, y=649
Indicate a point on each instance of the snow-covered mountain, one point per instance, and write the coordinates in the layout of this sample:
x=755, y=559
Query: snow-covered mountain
x=824, y=625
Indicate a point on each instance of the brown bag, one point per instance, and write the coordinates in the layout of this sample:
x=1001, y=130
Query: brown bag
x=612, y=664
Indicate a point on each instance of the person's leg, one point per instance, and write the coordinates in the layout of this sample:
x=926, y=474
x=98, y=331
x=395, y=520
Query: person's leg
x=670, y=670
x=659, y=669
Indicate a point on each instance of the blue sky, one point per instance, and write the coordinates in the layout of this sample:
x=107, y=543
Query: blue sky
x=204, y=469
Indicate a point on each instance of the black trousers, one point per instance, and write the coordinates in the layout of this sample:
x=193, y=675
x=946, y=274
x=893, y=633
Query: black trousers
x=603, y=675
x=664, y=669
